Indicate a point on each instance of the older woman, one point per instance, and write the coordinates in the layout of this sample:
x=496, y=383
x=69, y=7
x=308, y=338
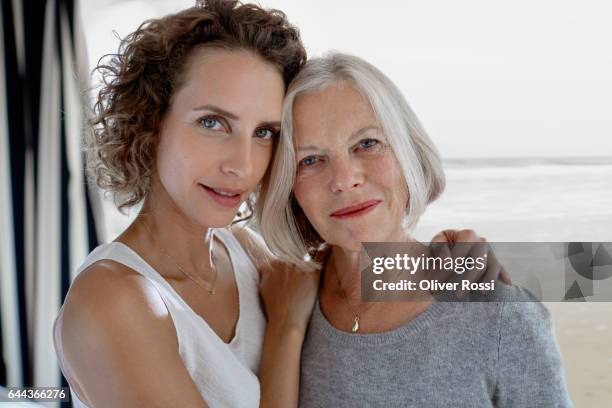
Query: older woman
x=365, y=170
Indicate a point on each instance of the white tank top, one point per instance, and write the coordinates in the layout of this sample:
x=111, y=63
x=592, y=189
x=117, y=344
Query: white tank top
x=225, y=373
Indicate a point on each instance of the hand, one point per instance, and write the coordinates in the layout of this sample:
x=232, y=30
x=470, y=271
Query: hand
x=479, y=247
x=288, y=295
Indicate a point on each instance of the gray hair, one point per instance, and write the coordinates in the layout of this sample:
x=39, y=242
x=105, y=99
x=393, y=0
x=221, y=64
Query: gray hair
x=282, y=224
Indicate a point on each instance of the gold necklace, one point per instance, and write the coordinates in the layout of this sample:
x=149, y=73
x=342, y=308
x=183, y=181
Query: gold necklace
x=355, y=312
x=209, y=287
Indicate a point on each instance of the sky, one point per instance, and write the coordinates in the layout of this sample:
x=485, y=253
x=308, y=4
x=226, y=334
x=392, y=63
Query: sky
x=527, y=78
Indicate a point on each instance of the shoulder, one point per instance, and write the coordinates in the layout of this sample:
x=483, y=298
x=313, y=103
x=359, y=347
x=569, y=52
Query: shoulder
x=110, y=286
x=521, y=310
x=516, y=308
x=119, y=341
x=108, y=301
x=526, y=334
x=503, y=292
x=530, y=370
x=509, y=310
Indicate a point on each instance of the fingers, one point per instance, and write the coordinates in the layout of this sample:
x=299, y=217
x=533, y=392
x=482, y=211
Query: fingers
x=444, y=236
x=440, y=249
x=473, y=246
x=465, y=238
x=479, y=262
x=475, y=272
x=453, y=236
x=492, y=271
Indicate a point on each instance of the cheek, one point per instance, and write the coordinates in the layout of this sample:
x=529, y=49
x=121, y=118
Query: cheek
x=389, y=177
x=400, y=189
x=403, y=196
x=166, y=164
x=305, y=192
x=176, y=160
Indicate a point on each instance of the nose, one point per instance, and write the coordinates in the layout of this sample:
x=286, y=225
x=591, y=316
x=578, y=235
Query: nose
x=346, y=173
x=238, y=160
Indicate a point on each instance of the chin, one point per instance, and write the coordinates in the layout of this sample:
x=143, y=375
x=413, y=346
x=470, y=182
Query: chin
x=368, y=235
x=347, y=243
x=208, y=218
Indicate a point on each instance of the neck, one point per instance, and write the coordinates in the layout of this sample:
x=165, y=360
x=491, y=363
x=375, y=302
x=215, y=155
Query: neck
x=343, y=273
x=161, y=227
x=343, y=270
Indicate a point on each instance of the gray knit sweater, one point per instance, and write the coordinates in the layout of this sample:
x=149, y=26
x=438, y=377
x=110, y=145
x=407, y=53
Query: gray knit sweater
x=454, y=354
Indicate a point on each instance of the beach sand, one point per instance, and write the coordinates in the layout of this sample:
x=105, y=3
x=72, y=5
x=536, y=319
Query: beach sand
x=584, y=333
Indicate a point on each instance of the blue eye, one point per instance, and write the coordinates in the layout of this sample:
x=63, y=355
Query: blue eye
x=265, y=133
x=367, y=143
x=210, y=122
x=308, y=161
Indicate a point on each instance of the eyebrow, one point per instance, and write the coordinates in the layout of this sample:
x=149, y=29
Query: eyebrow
x=218, y=110
x=232, y=116
x=363, y=130
x=355, y=134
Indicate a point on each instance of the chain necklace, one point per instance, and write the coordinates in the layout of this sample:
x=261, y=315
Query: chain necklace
x=354, y=311
x=208, y=287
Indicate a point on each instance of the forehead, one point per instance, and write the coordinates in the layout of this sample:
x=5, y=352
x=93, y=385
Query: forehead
x=236, y=80
x=337, y=110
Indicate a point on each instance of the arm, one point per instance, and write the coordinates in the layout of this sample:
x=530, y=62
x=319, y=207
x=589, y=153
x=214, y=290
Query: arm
x=288, y=296
x=530, y=368
x=120, y=343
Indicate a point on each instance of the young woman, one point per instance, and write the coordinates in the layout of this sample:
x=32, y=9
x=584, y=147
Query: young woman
x=364, y=170
x=187, y=123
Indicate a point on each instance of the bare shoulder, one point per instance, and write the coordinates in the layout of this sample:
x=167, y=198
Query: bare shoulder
x=107, y=301
x=117, y=334
x=106, y=291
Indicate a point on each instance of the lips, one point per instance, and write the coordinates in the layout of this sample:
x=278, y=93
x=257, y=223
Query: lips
x=356, y=210
x=224, y=196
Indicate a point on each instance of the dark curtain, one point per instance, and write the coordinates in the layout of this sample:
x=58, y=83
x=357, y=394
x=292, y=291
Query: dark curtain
x=47, y=222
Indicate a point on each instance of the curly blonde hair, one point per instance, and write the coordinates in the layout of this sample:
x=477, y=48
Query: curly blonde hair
x=140, y=80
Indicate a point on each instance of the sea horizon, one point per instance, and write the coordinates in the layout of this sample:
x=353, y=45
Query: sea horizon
x=510, y=161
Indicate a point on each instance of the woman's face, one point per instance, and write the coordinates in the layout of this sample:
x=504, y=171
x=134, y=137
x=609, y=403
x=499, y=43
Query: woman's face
x=348, y=182
x=217, y=138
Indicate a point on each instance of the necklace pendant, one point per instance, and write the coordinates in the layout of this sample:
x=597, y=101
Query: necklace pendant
x=355, y=328
x=211, y=291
